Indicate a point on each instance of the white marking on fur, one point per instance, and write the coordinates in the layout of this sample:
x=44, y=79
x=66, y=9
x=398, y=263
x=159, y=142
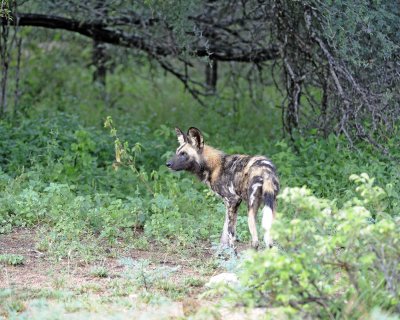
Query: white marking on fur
x=193, y=153
x=232, y=240
x=180, y=148
x=181, y=139
x=253, y=192
x=253, y=160
x=206, y=179
x=225, y=236
x=266, y=223
x=268, y=163
x=235, y=164
x=189, y=149
x=232, y=190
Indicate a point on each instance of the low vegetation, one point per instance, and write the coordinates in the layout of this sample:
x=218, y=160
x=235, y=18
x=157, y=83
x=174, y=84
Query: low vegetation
x=11, y=259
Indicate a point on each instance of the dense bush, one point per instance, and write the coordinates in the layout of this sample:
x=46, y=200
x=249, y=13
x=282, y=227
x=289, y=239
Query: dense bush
x=330, y=261
x=65, y=182
x=56, y=166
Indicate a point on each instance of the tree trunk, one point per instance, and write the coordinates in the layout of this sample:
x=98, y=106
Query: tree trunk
x=212, y=76
x=4, y=57
x=99, y=61
x=99, y=47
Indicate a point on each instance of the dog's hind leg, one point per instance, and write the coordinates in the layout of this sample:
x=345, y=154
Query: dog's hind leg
x=251, y=219
x=254, y=194
x=268, y=211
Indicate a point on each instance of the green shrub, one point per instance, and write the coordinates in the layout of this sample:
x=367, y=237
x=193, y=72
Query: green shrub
x=99, y=272
x=330, y=261
x=12, y=259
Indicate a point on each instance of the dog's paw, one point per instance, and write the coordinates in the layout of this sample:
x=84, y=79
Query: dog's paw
x=225, y=251
x=255, y=245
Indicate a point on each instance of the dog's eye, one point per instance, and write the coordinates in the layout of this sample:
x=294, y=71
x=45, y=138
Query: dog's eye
x=183, y=154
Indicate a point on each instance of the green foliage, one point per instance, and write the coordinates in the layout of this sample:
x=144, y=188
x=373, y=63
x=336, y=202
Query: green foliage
x=370, y=35
x=324, y=165
x=5, y=10
x=331, y=261
x=67, y=183
x=100, y=272
x=12, y=259
x=143, y=276
x=176, y=14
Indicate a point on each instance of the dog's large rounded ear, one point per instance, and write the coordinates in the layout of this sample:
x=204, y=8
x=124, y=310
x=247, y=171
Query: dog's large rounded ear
x=196, y=137
x=182, y=138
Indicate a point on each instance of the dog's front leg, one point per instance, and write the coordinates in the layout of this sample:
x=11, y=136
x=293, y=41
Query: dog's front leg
x=228, y=237
x=224, y=236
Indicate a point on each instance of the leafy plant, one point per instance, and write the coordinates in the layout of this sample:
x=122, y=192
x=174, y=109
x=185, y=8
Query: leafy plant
x=331, y=262
x=12, y=259
x=124, y=156
x=100, y=272
x=144, y=276
x=5, y=11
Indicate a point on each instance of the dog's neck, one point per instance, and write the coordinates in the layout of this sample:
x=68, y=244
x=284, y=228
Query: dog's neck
x=211, y=164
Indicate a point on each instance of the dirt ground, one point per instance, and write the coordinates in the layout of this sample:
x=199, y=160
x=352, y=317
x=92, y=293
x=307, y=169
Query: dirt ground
x=94, y=297
x=38, y=270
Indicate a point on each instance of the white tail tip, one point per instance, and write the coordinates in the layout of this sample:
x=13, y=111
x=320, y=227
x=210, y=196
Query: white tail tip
x=266, y=223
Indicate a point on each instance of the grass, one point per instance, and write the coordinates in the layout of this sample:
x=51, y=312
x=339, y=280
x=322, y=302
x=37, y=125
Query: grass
x=100, y=272
x=46, y=287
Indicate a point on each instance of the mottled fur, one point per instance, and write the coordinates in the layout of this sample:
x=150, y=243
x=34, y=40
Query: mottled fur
x=235, y=178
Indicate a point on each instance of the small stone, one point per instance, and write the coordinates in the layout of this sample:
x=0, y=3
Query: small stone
x=229, y=278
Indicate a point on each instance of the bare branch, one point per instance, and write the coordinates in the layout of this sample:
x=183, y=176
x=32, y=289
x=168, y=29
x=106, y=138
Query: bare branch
x=103, y=33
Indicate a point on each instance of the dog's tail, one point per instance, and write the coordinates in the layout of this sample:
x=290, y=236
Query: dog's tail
x=270, y=190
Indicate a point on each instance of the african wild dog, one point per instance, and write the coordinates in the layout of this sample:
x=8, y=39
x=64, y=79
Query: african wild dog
x=234, y=178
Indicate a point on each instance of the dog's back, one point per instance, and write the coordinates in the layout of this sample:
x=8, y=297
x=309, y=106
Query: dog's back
x=247, y=174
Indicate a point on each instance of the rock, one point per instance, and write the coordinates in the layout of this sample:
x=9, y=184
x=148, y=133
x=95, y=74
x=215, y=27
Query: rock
x=244, y=314
x=229, y=278
x=169, y=310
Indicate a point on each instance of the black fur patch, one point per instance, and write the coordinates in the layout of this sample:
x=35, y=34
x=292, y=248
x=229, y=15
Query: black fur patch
x=235, y=163
x=269, y=200
x=265, y=163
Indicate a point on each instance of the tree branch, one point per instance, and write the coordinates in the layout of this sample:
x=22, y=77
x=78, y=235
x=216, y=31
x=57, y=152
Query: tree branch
x=101, y=32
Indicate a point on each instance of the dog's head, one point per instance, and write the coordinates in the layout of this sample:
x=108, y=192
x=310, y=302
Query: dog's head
x=188, y=156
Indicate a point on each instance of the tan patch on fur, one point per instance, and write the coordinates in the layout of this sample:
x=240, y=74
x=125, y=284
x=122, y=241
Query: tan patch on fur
x=241, y=156
x=268, y=186
x=251, y=162
x=256, y=171
x=241, y=183
x=213, y=157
